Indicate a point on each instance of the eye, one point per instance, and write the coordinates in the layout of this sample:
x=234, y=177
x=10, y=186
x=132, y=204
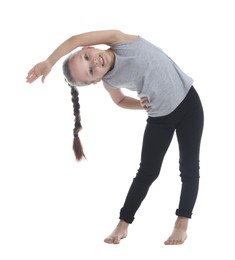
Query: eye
x=86, y=57
x=91, y=71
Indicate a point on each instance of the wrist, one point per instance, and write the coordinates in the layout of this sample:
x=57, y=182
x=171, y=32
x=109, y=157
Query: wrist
x=49, y=63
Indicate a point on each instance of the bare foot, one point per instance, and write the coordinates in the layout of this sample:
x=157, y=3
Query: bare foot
x=179, y=234
x=119, y=233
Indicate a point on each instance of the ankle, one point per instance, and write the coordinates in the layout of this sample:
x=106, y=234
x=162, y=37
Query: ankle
x=181, y=222
x=122, y=223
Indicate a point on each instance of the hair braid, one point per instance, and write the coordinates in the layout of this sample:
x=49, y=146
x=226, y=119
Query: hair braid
x=77, y=146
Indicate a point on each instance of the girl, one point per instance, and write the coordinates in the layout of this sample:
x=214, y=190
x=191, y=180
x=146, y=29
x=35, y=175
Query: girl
x=164, y=91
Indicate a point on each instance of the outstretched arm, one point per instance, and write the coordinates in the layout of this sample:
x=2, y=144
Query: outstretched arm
x=125, y=101
x=107, y=37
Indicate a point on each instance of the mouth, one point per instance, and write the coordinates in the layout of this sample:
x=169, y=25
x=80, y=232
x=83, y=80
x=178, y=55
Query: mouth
x=101, y=60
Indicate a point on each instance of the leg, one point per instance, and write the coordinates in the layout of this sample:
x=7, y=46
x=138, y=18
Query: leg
x=156, y=141
x=189, y=135
x=189, y=132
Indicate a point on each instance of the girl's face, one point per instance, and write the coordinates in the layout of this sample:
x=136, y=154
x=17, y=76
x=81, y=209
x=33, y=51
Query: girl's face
x=89, y=65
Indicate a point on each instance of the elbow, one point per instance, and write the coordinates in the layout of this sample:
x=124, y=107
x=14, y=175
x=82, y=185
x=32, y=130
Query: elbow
x=120, y=101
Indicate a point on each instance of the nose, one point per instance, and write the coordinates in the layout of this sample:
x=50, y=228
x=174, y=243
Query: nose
x=96, y=62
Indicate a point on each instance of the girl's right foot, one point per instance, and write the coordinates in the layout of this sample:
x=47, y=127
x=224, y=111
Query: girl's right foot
x=119, y=233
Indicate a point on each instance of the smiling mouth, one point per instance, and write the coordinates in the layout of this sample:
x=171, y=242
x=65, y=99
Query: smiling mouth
x=101, y=60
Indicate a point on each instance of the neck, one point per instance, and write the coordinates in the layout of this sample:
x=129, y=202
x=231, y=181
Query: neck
x=112, y=56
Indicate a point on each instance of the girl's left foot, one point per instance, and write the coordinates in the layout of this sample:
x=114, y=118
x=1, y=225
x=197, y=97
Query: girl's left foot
x=179, y=234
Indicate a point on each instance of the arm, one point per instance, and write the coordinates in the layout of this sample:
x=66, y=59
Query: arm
x=107, y=37
x=123, y=101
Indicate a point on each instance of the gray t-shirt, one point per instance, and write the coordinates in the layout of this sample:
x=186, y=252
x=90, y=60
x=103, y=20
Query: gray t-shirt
x=143, y=67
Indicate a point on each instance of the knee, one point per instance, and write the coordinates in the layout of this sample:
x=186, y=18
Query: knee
x=147, y=174
x=189, y=170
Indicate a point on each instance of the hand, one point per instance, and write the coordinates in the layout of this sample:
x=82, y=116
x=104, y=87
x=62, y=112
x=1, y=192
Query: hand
x=40, y=69
x=144, y=102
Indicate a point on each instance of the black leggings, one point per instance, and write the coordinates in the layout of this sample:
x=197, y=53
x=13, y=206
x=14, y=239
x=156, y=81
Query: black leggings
x=187, y=120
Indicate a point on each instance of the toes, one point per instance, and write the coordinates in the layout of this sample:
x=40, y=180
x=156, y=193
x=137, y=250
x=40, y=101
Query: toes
x=168, y=242
x=116, y=241
x=112, y=240
x=108, y=240
x=173, y=242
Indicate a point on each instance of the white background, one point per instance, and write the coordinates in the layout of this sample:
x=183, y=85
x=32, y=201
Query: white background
x=52, y=207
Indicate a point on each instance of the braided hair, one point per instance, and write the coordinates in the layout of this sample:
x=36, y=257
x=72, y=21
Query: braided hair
x=77, y=146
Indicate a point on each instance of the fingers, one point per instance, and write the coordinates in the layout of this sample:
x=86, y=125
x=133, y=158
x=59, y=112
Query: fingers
x=33, y=74
x=31, y=78
x=144, y=103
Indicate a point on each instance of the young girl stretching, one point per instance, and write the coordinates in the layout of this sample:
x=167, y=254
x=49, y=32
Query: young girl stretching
x=165, y=92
